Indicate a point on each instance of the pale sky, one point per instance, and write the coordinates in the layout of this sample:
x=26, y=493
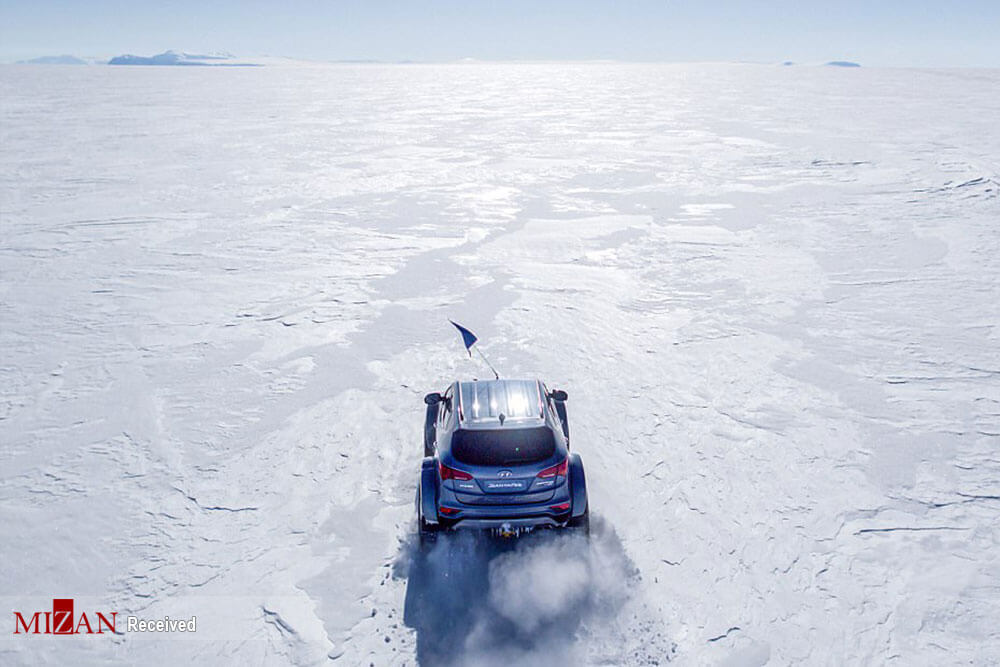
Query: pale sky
x=872, y=32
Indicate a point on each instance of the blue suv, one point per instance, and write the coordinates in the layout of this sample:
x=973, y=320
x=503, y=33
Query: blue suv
x=496, y=458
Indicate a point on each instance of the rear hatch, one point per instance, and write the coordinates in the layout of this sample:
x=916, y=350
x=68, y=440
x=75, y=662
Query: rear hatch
x=505, y=464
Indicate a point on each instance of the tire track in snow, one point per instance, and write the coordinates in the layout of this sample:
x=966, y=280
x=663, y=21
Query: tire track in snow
x=546, y=598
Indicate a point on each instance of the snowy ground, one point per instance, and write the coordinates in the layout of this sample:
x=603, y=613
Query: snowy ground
x=771, y=293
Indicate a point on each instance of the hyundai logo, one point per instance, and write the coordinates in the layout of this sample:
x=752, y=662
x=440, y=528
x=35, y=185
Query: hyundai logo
x=504, y=473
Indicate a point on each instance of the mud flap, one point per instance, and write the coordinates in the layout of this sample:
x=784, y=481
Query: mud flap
x=428, y=492
x=577, y=485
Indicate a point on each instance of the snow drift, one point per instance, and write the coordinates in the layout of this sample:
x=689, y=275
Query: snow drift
x=771, y=293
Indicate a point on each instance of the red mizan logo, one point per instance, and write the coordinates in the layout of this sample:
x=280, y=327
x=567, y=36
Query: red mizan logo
x=60, y=621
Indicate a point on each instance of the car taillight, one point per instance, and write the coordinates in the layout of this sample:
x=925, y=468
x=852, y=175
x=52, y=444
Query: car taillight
x=561, y=507
x=558, y=469
x=451, y=473
x=447, y=510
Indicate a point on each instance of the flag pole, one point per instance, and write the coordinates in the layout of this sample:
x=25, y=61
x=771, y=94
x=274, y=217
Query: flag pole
x=495, y=374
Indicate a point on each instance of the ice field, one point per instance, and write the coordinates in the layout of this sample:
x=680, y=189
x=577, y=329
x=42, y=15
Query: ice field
x=772, y=294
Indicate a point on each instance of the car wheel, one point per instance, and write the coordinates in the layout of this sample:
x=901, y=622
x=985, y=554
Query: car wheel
x=427, y=534
x=580, y=524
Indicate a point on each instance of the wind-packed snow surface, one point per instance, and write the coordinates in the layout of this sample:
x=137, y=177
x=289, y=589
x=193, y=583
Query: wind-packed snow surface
x=771, y=293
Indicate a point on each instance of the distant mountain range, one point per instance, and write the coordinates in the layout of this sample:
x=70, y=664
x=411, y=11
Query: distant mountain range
x=184, y=59
x=165, y=58
x=54, y=60
x=181, y=59
x=832, y=63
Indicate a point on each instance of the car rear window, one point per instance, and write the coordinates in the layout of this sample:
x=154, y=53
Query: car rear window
x=503, y=447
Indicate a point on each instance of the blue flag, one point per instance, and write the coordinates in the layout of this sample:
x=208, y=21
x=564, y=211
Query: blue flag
x=468, y=337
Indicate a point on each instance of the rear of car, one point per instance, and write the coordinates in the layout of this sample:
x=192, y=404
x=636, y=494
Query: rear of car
x=502, y=461
x=492, y=475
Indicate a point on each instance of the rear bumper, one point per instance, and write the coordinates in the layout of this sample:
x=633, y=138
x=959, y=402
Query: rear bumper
x=457, y=515
x=454, y=513
x=498, y=524
x=517, y=516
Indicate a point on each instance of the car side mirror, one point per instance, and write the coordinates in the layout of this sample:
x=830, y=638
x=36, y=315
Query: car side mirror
x=432, y=398
x=558, y=395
